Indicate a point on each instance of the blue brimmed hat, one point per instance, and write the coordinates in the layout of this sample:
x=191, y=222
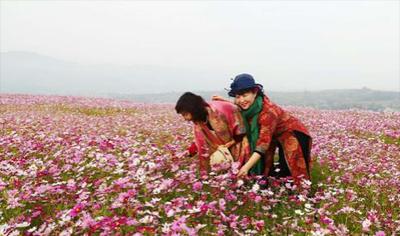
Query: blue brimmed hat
x=241, y=82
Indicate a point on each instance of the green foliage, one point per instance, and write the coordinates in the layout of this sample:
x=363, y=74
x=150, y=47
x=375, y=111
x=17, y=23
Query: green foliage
x=390, y=140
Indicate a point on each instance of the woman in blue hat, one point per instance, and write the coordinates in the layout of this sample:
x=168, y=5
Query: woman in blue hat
x=268, y=127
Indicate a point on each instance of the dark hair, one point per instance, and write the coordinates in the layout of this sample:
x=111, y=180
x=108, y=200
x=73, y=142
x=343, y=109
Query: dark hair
x=193, y=104
x=257, y=90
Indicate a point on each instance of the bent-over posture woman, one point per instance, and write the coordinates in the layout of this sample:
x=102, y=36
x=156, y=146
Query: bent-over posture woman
x=268, y=127
x=216, y=123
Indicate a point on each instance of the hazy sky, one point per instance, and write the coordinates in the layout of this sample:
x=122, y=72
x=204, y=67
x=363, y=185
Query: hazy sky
x=286, y=45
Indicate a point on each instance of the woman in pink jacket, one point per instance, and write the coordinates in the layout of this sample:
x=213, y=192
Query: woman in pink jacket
x=216, y=123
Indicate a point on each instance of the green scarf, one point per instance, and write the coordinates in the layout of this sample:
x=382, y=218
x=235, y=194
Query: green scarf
x=253, y=131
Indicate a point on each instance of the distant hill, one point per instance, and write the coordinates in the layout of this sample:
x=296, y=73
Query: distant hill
x=342, y=99
x=32, y=73
x=326, y=99
x=26, y=72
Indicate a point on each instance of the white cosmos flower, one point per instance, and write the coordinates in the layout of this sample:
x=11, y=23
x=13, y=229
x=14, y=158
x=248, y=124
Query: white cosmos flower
x=301, y=198
x=66, y=232
x=320, y=232
x=255, y=187
x=23, y=224
x=200, y=226
x=194, y=210
x=31, y=230
x=299, y=212
x=147, y=219
x=166, y=228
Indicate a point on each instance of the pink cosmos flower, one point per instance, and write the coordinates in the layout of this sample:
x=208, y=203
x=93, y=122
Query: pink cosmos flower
x=380, y=233
x=87, y=221
x=235, y=167
x=230, y=196
x=326, y=220
x=259, y=224
x=258, y=199
x=77, y=209
x=197, y=186
x=37, y=211
x=222, y=203
x=365, y=225
x=2, y=185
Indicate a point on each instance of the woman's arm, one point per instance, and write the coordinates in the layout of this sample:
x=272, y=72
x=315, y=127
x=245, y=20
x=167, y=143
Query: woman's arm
x=268, y=121
x=229, y=144
x=219, y=98
x=236, y=139
x=249, y=164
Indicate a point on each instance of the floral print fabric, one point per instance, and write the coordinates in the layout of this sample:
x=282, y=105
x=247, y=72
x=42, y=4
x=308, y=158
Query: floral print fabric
x=277, y=125
x=227, y=124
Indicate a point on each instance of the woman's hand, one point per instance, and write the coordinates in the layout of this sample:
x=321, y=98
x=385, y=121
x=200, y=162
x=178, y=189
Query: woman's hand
x=243, y=171
x=249, y=164
x=192, y=149
x=218, y=98
x=229, y=144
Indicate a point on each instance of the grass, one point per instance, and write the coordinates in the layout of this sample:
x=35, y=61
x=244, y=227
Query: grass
x=390, y=140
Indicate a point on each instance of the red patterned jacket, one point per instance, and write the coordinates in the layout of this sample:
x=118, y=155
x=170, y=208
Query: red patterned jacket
x=274, y=122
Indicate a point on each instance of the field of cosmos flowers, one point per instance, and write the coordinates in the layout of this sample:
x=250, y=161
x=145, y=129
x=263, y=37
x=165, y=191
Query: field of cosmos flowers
x=86, y=166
